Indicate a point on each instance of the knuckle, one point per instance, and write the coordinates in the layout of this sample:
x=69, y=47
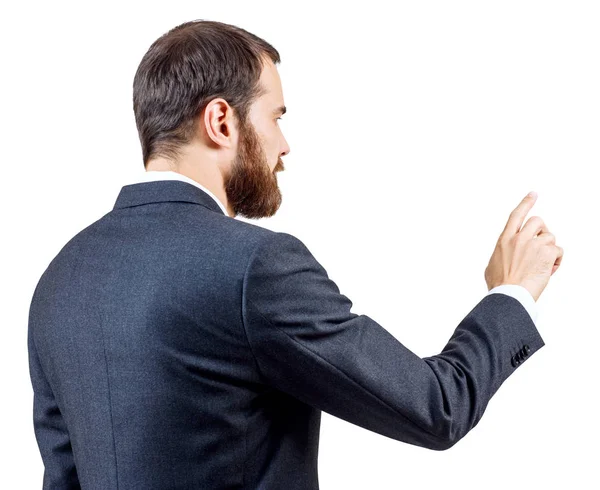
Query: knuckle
x=520, y=238
x=537, y=220
x=504, y=242
x=548, y=238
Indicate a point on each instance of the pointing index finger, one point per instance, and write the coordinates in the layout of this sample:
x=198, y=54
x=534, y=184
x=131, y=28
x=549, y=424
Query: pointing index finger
x=515, y=220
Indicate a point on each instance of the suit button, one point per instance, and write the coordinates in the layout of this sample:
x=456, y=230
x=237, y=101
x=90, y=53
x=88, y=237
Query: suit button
x=527, y=349
x=514, y=361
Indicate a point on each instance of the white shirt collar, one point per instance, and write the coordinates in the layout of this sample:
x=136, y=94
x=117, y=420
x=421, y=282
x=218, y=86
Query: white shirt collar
x=153, y=175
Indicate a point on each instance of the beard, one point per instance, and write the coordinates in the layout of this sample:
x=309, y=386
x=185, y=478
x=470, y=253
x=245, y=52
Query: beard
x=250, y=186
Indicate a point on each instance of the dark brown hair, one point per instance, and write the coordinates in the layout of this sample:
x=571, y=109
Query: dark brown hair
x=185, y=69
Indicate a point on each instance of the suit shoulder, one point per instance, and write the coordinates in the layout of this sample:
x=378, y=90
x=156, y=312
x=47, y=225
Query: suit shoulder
x=261, y=236
x=279, y=253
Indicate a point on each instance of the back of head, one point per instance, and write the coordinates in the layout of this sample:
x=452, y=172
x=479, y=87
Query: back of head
x=183, y=70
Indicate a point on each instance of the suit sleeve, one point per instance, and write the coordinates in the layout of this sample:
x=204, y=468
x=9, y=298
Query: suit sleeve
x=521, y=294
x=308, y=343
x=50, y=429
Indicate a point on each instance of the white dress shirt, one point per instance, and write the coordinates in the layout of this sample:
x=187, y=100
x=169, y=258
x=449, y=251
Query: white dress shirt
x=518, y=292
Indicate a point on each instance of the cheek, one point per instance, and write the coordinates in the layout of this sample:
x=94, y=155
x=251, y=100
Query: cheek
x=269, y=144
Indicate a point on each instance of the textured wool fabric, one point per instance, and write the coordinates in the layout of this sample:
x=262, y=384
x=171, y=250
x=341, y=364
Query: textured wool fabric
x=515, y=290
x=172, y=347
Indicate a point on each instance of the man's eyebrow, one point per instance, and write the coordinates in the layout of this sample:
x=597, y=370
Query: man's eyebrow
x=280, y=110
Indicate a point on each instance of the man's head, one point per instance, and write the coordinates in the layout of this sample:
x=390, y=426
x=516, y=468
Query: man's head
x=206, y=98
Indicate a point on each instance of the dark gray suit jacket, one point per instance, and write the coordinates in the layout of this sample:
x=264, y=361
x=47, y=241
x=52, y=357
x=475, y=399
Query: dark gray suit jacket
x=173, y=347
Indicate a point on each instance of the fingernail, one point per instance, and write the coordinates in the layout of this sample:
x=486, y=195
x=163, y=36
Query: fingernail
x=532, y=194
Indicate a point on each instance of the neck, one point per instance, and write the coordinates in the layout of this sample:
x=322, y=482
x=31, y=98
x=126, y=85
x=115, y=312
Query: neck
x=208, y=176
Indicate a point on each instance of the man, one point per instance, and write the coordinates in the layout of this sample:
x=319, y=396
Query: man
x=172, y=346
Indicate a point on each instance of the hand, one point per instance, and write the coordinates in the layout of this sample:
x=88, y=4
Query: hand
x=527, y=256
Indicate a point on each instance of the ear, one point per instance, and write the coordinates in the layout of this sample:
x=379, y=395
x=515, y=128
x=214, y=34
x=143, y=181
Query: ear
x=219, y=122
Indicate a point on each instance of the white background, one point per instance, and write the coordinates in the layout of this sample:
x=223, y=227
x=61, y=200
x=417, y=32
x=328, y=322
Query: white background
x=415, y=128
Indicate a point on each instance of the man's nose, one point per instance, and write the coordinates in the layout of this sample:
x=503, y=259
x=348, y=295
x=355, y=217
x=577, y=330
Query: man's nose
x=286, y=148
